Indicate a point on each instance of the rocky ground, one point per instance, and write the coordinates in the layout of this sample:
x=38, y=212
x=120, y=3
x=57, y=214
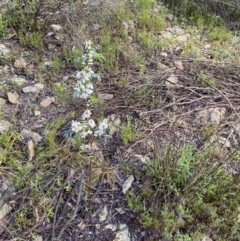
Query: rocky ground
x=51, y=189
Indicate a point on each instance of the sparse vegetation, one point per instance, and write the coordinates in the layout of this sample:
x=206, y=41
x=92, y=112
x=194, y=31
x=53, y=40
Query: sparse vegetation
x=185, y=168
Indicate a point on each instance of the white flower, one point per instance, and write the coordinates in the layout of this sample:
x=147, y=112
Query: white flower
x=84, y=134
x=76, y=126
x=98, y=133
x=88, y=44
x=91, y=123
x=89, y=86
x=89, y=132
x=86, y=114
x=85, y=147
x=103, y=125
x=78, y=74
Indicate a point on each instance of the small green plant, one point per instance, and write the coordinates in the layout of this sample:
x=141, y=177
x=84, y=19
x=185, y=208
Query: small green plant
x=127, y=131
x=34, y=40
x=203, y=80
x=52, y=132
x=190, y=192
x=7, y=151
x=220, y=34
x=62, y=92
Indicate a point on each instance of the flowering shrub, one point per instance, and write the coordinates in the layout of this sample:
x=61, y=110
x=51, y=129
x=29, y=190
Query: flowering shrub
x=86, y=126
x=84, y=89
x=84, y=86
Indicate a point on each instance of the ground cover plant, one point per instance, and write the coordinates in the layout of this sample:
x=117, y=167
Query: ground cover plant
x=119, y=121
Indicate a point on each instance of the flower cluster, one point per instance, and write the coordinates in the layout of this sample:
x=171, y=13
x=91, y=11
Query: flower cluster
x=84, y=86
x=87, y=126
x=84, y=89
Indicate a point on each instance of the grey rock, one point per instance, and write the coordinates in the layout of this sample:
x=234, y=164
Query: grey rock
x=39, y=86
x=182, y=38
x=18, y=81
x=30, y=135
x=170, y=16
x=4, y=51
x=123, y=234
x=30, y=89
x=30, y=150
x=96, y=26
x=166, y=35
x=4, y=126
x=105, y=96
x=4, y=209
x=2, y=102
x=56, y=27
x=206, y=239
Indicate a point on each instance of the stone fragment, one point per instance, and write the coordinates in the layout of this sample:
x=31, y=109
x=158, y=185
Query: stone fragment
x=236, y=127
x=115, y=122
x=181, y=38
x=6, y=69
x=30, y=150
x=38, y=238
x=207, y=46
x=212, y=115
x=103, y=214
x=171, y=81
x=58, y=84
x=30, y=89
x=166, y=35
x=13, y=97
x=170, y=16
x=125, y=25
x=225, y=142
x=37, y=113
x=4, y=126
x=39, y=86
x=56, y=27
x=65, y=78
x=179, y=31
x=111, y=226
x=20, y=63
x=2, y=102
x=96, y=27
x=178, y=64
x=161, y=66
x=164, y=54
x=123, y=234
x=127, y=184
x=47, y=101
x=206, y=239
x=18, y=81
x=105, y=96
x=97, y=152
x=4, y=209
x=217, y=115
x=4, y=51
x=28, y=135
